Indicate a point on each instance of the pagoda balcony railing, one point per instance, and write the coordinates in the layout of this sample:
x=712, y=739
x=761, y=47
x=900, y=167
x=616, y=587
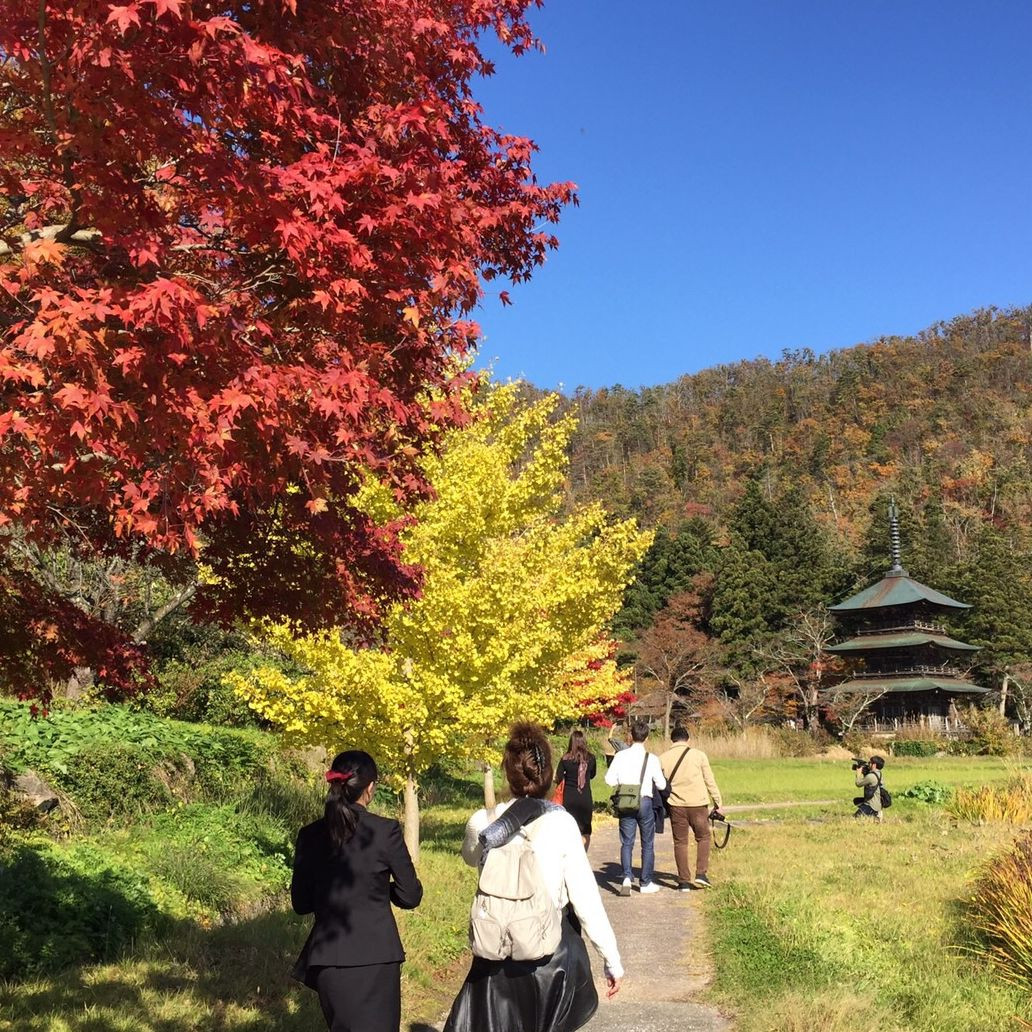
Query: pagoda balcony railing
x=942, y=671
x=914, y=625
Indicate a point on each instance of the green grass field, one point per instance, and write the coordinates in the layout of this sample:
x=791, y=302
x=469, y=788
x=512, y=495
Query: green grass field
x=810, y=778
x=817, y=924
x=823, y=924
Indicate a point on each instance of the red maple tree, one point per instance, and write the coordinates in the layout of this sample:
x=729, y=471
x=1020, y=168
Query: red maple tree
x=238, y=245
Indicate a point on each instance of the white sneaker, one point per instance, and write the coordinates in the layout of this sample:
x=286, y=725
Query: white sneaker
x=625, y=887
x=651, y=887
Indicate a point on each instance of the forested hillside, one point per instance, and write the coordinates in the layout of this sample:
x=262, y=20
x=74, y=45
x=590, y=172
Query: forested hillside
x=769, y=483
x=942, y=416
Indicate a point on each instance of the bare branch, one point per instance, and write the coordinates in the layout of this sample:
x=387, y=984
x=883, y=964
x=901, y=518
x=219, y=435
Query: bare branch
x=149, y=622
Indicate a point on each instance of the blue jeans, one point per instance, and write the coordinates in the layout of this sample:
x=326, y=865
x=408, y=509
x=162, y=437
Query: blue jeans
x=646, y=822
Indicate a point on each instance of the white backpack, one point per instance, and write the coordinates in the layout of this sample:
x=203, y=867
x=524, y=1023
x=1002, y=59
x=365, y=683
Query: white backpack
x=513, y=914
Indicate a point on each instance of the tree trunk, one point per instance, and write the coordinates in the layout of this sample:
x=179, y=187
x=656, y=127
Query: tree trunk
x=666, y=716
x=1003, y=694
x=489, y=791
x=78, y=684
x=412, y=818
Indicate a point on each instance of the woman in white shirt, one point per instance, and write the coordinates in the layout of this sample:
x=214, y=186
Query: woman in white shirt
x=556, y=993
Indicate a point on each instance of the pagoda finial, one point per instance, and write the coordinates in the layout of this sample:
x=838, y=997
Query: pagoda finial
x=897, y=565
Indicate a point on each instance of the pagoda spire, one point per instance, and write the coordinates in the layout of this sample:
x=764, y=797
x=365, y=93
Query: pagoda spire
x=896, y=570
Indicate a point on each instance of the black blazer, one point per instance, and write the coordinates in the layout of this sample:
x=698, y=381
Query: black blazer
x=351, y=894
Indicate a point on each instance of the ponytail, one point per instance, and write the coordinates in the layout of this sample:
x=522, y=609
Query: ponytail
x=350, y=774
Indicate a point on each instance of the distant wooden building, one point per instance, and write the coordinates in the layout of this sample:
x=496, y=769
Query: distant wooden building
x=899, y=652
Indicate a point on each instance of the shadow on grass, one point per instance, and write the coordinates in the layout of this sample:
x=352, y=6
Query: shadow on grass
x=440, y=787
x=235, y=977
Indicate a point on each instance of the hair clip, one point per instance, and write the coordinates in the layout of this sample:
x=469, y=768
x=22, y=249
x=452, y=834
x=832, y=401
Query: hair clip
x=339, y=775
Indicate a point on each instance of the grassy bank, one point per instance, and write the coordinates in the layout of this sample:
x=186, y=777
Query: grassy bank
x=154, y=899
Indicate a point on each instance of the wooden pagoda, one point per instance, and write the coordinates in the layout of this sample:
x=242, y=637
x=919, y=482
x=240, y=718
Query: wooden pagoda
x=898, y=651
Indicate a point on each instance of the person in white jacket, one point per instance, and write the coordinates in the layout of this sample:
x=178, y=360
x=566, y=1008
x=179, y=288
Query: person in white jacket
x=556, y=993
x=631, y=766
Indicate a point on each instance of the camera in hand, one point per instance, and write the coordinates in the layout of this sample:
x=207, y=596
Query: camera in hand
x=863, y=765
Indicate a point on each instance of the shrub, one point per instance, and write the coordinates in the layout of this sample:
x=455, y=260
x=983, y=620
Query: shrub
x=916, y=747
x=858, y=743
x=198, y=692
x=918, y=740
x=795, y=742
x=117, y=783
x=1001, y=912
x=217, y=856
x=68, y=908
x=991, y=733
x=1010, y=801
x=932, y=792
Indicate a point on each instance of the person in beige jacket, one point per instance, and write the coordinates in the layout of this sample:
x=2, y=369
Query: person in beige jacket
x=692, y=789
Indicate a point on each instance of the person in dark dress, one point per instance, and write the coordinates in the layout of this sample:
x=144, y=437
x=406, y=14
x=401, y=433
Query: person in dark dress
x=575, y=771
x=349, y=867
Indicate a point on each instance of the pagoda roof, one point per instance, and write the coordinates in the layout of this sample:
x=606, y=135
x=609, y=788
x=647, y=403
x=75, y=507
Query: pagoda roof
x=894, y=685
x=896, y=589
x=900, y=640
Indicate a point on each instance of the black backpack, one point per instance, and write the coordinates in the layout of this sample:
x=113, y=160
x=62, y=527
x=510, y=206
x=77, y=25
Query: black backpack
x=883, y=794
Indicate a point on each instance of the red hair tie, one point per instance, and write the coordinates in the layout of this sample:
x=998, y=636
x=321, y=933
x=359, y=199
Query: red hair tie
x=338, y=775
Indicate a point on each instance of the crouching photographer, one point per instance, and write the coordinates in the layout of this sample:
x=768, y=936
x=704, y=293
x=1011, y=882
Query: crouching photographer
x=869, y=778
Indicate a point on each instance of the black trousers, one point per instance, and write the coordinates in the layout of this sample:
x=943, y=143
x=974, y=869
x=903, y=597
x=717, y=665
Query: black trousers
x=360, y=999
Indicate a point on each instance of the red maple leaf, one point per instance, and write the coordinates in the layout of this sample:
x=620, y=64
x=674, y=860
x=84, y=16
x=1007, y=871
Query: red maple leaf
x=267, y=266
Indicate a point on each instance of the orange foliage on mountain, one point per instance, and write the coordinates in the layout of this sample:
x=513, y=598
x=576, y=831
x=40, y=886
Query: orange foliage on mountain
x=941, y=415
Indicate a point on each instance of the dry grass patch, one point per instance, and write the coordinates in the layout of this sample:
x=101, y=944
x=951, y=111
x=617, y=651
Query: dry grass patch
x=1001, y=912
x=1010, y=802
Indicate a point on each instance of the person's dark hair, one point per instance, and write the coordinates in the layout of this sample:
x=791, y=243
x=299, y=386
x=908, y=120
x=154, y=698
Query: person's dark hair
x=527, y=761
x=639, y=730
x=679, y=734
x=350, y=774
x=577, y=749
x=878, y=761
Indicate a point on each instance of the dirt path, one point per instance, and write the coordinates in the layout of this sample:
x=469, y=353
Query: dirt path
x=662, y=944
x=740, y=808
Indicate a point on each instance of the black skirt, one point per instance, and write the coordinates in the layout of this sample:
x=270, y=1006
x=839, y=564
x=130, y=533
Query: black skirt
x=556, y=994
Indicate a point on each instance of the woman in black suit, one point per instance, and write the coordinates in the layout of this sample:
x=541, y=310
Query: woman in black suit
x=349, y=867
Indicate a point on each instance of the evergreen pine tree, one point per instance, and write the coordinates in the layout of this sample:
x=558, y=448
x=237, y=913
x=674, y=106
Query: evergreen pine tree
x=743, y=597
x=669, y=568
x=805, y=570
x=996, y=582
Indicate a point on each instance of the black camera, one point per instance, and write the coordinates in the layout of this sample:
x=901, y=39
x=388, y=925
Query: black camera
x=863, y=765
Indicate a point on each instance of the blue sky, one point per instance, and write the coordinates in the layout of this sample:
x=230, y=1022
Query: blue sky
x=758, y=175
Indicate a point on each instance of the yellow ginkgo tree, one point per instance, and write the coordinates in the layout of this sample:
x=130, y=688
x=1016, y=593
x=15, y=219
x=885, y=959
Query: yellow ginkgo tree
x=516, y=593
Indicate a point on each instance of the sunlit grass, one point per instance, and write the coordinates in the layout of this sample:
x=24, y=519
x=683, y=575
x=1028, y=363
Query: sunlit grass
x=835, y=925
x=811, y=778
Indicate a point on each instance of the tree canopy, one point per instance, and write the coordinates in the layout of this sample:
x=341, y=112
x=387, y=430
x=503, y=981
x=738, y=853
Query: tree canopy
x=510, y=623
x=239, y=243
